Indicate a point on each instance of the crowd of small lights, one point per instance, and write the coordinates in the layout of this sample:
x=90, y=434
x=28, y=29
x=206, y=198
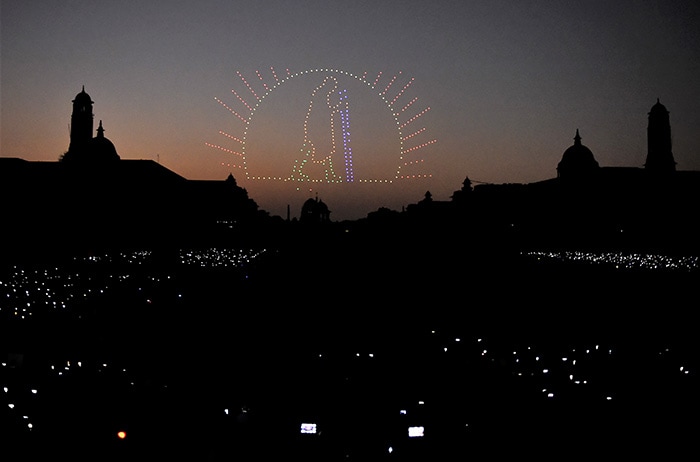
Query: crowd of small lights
x=623, y=260
x=23, y=398
x=308, y=150
x=545, y=373
x=26, y=292
x=219, y=258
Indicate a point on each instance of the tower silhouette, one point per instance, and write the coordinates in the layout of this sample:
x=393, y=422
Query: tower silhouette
x=81, y=121
x=83, y=147
x=659, y=154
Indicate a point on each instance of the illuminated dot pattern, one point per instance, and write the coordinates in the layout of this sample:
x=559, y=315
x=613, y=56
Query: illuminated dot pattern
x=309, y=154
x=309, y=157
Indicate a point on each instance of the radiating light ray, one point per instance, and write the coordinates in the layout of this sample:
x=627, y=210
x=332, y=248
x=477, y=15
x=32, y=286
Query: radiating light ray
x=377, y=79
x=221, y=132
x=417, y=132
x=221, y=148
x=248, y=85
x=410, y=103
x=245, y=121
x=402, y=91
x=391, y=82
x=242, y=100
x=274, y=74
x=415, y=117
x=267, y=89
x=420, y=146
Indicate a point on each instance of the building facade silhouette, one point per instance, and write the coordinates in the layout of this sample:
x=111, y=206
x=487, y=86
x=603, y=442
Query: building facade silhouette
x=92, y=198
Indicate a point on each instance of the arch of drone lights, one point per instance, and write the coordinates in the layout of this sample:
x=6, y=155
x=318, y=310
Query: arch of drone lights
x=339, y=113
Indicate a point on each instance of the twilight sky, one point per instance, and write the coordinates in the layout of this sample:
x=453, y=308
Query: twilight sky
x=344, y=100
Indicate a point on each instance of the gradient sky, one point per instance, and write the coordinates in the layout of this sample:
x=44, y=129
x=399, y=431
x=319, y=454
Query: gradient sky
x=498, y=88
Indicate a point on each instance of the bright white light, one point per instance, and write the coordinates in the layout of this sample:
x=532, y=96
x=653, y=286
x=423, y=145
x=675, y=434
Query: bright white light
x=416, y=432
x=308, y=428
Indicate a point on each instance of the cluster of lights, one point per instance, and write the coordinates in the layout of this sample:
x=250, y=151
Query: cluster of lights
x=217, y=258
x=308, y=153
x=26, y=292
x=20, y=402
x=623, y=260
x=548, y=371
x=23, y=398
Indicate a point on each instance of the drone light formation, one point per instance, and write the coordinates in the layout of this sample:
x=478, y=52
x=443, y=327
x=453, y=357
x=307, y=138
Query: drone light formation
x=312, y=166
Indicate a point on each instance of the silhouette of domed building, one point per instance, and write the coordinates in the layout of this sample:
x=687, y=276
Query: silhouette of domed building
x=587, y=204
x=577, y=161
x=92, y=198
x=83, y=147
x=314, y=211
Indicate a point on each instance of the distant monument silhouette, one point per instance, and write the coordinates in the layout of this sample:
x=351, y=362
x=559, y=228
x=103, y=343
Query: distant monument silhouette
x=83, y=147
x=314, y=211
x=577, y=161
x=659, y=155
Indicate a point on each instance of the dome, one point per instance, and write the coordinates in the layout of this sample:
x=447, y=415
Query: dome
x=101, y=148
x=658, y=108
x=94, y=151
x=315, y=210
x=577, y=159
x=82, y=98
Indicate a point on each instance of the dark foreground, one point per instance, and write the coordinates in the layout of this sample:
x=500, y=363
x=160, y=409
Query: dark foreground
x=494, y=355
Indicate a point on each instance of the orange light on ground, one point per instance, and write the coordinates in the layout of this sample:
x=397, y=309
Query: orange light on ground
x=121, y=435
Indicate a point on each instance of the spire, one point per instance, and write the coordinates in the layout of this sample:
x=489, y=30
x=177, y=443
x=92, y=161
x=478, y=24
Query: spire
x=100, y=131
x=577, y=139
